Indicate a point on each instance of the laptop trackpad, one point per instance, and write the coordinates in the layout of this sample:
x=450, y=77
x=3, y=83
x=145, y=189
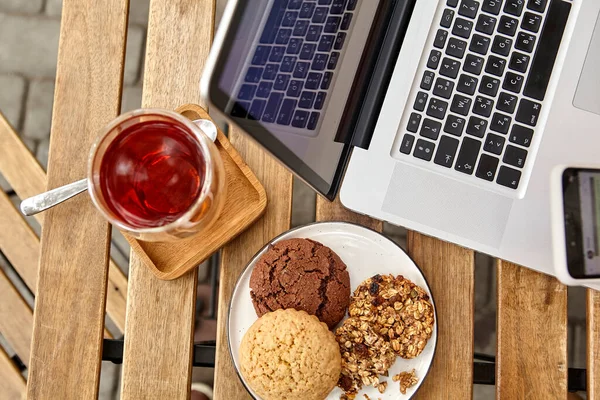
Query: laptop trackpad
x=587, y=96
x=447, y=205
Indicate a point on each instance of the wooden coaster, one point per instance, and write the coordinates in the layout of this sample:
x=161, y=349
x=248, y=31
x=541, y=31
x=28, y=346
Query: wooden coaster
x=246, y=201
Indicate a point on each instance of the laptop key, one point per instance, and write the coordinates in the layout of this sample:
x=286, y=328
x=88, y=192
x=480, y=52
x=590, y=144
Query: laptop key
x=528, y=112
x=308, y=51
x=333, y=60
x=264, y=90
x=289, y=18
x=427, y=80
x=447, y=18
x=300, y=119
x=339, y=41
x=424, y=150
x=507, y=102
x=288, y=64
x=519, y=62
x=468, y=8
x=307, y=100
x=273, y=21
x=294, y=46
x=492, y=6
x=295, y=88
x=531, y=22
x=327, y=77
x=483, y=106
x=272, y=107
x=421, y=101
x=319, y=62
x=437, y=108
x=287, y=111
x=283, y=36
x=301, y=28
x=502, y=45
x=500, y=123
x=295, y=4
x=450, y=68
x=440, y=38
x=325, y=2
x=514, y=7
x=407, y=143
x=247, y=92
x=467, y=84
x=461, y=104
x=495, y=65
x=446, y=151
x=486, y=24
x=521, y=135
x=462, y=28
x=480, y=44
x=320, y=100
x=487, y=167
x=313, y=120
x=467, y=156
x=456, y=48
x=277, y=54
x=509, y=177
x=281, y=82
x=256, y=109
x=414, y=122
x=333, y=24
x=314, y=80
x=338, y=6
x=254, y=74
x=489, y=86
x=352, y=5
x=326, y=43
x=314, y=33
x=443, y=88
x=454, y=125
x=271, y=71
x=261, y=55
x=452, y=3
x=494, y=144
x=346, y=21
x=430, y=129
x=307, y=10
x=537, y=5
x=473, y=64
x=301, y=70
x=320, y=15
x=515, y=156
x=508, y=26
x=526, y=42
x=477, y=126
x=513, y=82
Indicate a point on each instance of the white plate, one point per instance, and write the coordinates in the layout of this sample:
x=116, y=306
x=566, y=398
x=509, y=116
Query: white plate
x=366, y=253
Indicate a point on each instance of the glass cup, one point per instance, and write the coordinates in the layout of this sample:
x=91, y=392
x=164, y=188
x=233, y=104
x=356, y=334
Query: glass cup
x=156, y=175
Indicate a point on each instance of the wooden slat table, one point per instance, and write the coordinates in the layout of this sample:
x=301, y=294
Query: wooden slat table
x=531, y=344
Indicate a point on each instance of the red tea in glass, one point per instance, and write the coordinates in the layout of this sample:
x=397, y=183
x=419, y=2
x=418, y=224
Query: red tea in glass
x=156, y=175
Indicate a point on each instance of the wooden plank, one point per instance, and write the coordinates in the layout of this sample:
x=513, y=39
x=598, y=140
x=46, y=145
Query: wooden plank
x=72, y=280
x=593, y=344
x=335, y=211
x=531, y=359
x=16, y=319
x=160, y=314
x=449, y=270
x=12, y=383
x=27, y=178
x=278, y=185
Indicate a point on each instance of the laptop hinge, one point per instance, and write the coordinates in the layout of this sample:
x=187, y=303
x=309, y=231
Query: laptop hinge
x=375, y=72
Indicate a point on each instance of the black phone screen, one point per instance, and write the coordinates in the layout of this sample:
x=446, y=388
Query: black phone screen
x=581, y=201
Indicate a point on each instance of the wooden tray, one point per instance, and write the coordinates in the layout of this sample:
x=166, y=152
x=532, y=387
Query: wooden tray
x=246, y=202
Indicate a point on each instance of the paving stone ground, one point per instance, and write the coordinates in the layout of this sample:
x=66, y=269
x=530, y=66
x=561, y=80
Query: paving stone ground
x=29, y=31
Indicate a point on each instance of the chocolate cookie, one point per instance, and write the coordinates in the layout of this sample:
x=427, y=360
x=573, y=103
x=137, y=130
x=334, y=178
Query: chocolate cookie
x=304, y=275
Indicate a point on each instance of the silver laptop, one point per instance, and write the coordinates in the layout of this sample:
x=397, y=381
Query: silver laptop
x=443, y=116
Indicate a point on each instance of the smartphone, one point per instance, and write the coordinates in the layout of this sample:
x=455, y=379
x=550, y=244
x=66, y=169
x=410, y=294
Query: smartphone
x=576, y=224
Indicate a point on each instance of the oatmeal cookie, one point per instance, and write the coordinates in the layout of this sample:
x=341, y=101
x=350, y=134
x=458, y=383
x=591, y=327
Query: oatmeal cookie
x=290, y=355
x=398, y=310
x=304, y=275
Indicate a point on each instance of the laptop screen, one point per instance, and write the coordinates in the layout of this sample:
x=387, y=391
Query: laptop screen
x=284, y=75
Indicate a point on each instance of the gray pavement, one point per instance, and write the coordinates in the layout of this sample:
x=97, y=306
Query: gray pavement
x=29, y=32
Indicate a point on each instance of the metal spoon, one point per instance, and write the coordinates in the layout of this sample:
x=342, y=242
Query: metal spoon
x=51, y=198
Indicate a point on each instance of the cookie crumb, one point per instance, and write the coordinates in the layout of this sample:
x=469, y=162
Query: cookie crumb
x=381, y=387
x=407, y=379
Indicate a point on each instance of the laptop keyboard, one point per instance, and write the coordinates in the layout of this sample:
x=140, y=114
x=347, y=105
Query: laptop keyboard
x=482, y=86
x=294, y=62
